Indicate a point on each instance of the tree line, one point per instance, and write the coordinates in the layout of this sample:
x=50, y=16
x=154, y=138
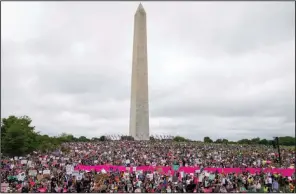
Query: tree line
x=285, y=141
x=19, y=137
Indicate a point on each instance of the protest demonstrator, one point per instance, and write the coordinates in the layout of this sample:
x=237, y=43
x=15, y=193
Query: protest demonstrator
x=150, y=166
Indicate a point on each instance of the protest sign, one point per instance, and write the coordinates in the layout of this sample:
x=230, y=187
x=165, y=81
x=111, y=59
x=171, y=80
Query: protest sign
x=79, y=177
x=103, y=171
x=212, y=177
x=75, y=173
x=29, y=163
x=32, y=172
x=4, y=187
x=69, y=169
x=23, y=161
x=182, y=174
x=150, y=176
x=21, y=176
x=46, y=171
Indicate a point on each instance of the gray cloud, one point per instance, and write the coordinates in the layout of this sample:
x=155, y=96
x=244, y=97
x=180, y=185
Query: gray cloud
x=219, y=69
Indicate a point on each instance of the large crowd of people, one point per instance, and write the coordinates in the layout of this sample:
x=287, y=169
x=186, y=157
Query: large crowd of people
x=56, y=171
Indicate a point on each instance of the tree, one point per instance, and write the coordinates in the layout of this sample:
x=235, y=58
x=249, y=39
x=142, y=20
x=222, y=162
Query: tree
x=14, y=141
x=18, y=137
x=244, y=141
x=255, y=140
x=47, y=143
x=102, y=138
x=83, y=139
x=263, y=142
x=180, y=139
x=152, y=138
x=6, y=123
x=287, y=141
x=208, y=140
x=219, y=141
x=64, y=137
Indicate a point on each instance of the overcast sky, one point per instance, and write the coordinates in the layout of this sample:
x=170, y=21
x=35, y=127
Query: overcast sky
x=218, y=69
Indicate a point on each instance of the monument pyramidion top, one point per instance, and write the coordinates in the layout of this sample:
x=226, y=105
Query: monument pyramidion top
x=140, y=9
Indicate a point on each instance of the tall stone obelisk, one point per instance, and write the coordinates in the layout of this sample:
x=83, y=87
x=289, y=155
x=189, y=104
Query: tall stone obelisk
x=139, y=111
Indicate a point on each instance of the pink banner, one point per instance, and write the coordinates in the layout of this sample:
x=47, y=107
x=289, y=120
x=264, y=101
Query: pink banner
x=165, y=169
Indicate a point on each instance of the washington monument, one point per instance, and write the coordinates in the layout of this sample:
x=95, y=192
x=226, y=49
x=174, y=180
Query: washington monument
x=139, y=111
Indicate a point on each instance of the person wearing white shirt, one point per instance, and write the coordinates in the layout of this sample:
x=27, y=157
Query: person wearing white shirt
x=258, y=186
